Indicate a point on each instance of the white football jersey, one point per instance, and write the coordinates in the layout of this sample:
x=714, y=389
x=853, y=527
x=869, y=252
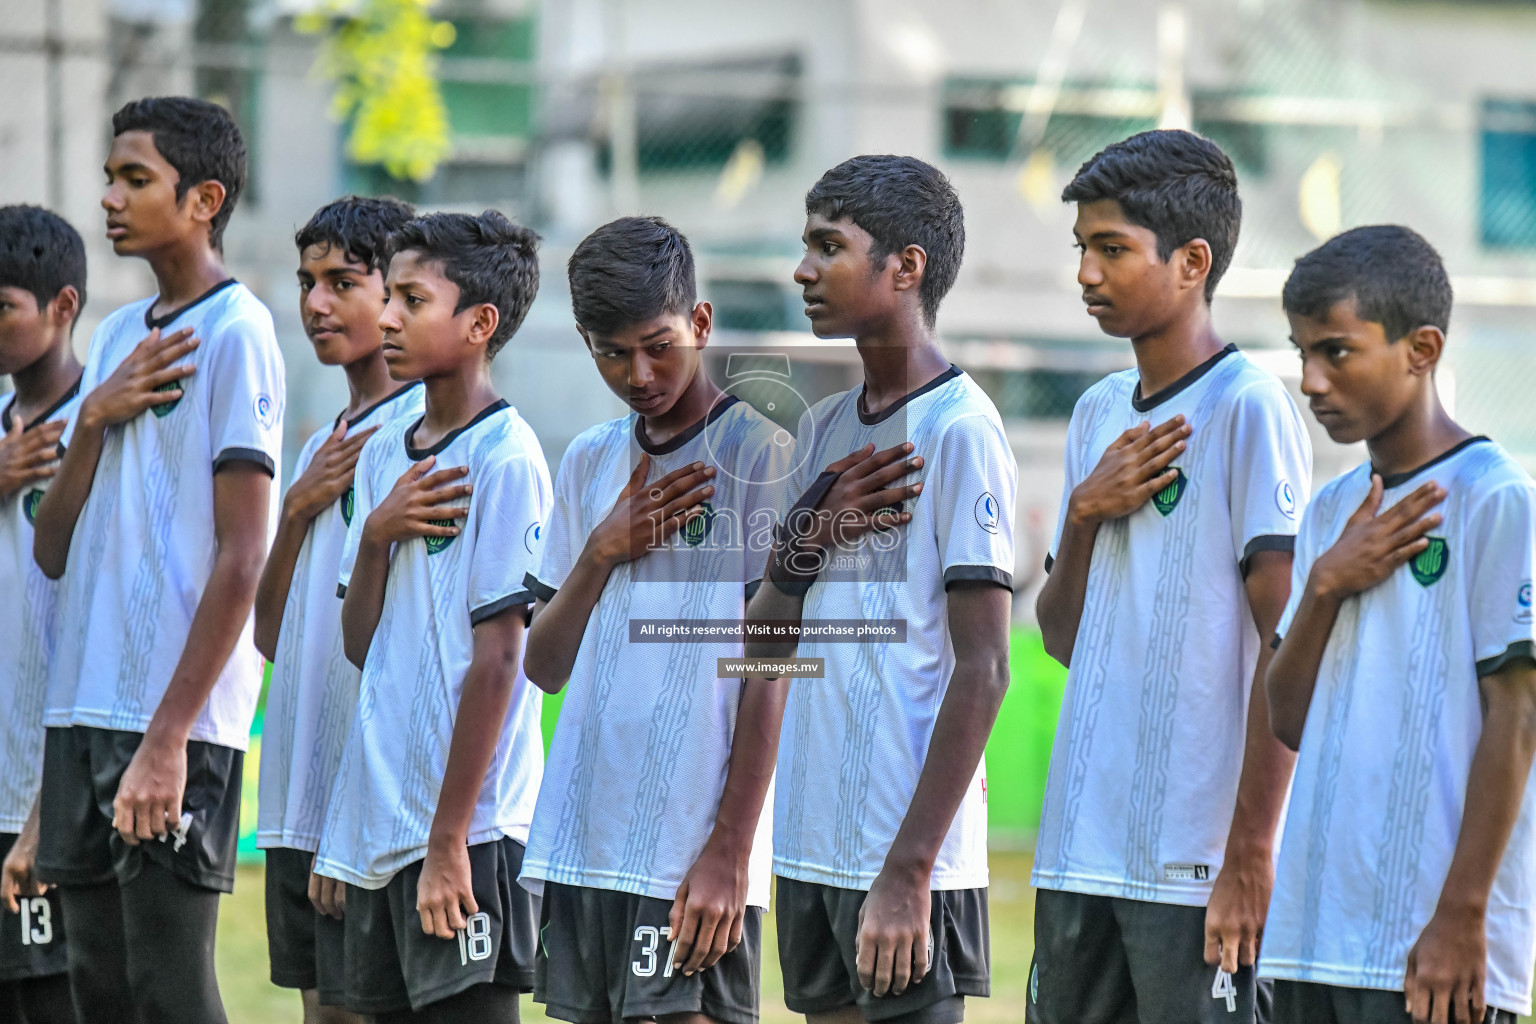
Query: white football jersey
x=639, y=757
x=1381, y=779
x=27, y=632
x=144, y=545
x=438, y=588
x=854, y=743
x=1144, y=769
x=314, y=687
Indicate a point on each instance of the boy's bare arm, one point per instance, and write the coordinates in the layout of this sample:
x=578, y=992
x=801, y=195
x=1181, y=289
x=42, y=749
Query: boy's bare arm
x=149, y=796
x=126, y=394
x=709, y=911
x=444, y=893
x=893, y=924
x=1448, y=965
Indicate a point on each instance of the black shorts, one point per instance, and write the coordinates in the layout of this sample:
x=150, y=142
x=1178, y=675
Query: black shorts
x=604, y=956
x=1105, y=960
x=31, y=941
x=392, y=965
x=1302, y=1002
x=818, y=929
x=77, y=844
x=304, y=946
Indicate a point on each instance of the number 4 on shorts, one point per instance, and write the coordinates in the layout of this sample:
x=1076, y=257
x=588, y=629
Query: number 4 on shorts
x=1222, y=988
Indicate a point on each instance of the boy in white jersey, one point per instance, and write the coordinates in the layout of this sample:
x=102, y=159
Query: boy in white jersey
x=649, y=844
x=342, y=259
x=430, y=808
x=880, y=801
x=1171, y=559
x=42, y=289
x=161, y=511
x=1404, y=884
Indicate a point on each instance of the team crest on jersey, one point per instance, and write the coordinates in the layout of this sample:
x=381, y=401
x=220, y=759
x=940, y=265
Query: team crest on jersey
x=34, y=498
x=698, y=527
x=164, y=408
x=265, y=410
x=1523, y=602
x=436, y=544
x=348, y=505
x=986, y=512
x=1285, y=499
x=1430, y=564
x=1167, y=499
x=531, y=537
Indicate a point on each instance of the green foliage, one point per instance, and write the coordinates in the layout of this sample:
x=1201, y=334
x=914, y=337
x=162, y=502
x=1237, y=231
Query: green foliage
x=382, y=55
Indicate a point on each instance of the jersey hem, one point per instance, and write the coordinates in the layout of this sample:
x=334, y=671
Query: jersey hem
x=113, y=723
x=379, y=877
x=1119, y=888
x=534, y=876
x=1388, y=981
x=13, y=825
x=944, y=881
x=269, y=839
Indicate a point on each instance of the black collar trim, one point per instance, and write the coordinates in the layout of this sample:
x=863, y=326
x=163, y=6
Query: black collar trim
x=162, y=322
x=404, y=389
x=682, y=437
x=1397, y=479
x=1148, y=404
x=417, y=454
x=870, y=419
x=6, y=419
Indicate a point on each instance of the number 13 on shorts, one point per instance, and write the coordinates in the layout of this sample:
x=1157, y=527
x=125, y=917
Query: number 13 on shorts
x=36, y=921
x=1222, y=988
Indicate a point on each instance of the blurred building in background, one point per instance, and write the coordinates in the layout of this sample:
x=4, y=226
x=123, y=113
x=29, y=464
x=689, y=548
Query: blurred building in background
x=719, y=114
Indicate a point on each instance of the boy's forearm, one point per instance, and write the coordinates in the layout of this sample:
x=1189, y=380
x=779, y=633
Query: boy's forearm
x=772, y=605
x=960, y=735
x=1292, y=673
x=1501, y=765
x=277, y=580
x=1059, y=607
x=555, y=636
x=477, y=725
x=754, y=752
x=364, y=600
x=65, y=498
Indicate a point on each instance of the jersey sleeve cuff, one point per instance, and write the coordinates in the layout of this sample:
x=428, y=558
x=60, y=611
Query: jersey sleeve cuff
x=255, y=455
x=1275, y=641
x=977, y=573
x=538, y=588
x=501, y=604
x=752, y=589
x=1520, y=649
x=1050, y=562
x=1268, y=542
x=341, y=590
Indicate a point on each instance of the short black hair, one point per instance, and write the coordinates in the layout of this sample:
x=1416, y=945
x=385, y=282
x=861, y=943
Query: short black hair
x=900, y=201
x=40, y=252
x=359, y=226
x=199, y=139
x=629, y=271
x=1174, y=183
x=1396, y=278
x=490, y=258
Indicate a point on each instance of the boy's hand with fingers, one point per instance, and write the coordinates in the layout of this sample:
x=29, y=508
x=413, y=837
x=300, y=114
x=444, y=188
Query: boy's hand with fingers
x=1373, y=546
x=445, y=891
x=709, y=911
x=147, y=378
x=28, y=456
x=646, y=515
x=419, y=505
x=1447, y=969
x=893, y=939
x=1131, y=470
x=328, y=474
x=327, y=895
x=148, y=801
x=17, y=880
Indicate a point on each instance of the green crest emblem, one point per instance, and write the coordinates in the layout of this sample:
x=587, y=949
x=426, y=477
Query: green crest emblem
x=164, y=409
x=348, y=503
x=29, y=505
x=436, y=544
x=1430, y=564
x=698, y=527
x=1167, y=499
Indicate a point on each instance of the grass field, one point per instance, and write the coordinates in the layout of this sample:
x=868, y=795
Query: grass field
x=1016, y=762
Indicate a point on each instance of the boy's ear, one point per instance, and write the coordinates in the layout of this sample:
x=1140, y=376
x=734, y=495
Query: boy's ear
x=1194, y=263
x=703, y=321
x=204, y=200
x=1425, y=344
x=64, y=308
x=483, y=319
x=912, y=261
